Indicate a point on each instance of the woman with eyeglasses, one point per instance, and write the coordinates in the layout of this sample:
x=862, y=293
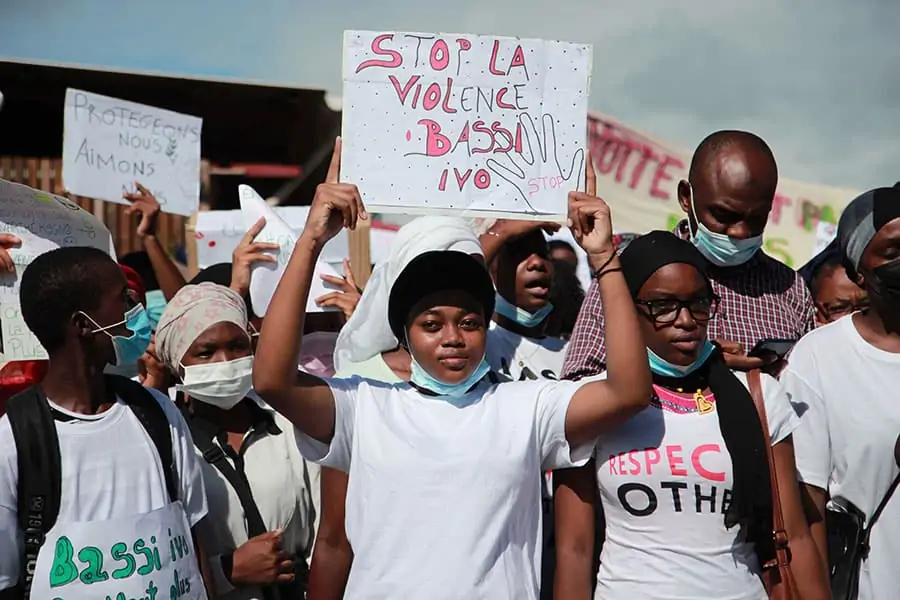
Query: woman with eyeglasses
x=684, y=485
x=259, y=529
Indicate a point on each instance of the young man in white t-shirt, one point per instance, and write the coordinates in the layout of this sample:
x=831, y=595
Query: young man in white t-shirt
x=76, y=302
x=518, y=344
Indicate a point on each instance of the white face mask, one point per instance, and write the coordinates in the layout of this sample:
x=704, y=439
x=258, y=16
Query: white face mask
x=221, y=384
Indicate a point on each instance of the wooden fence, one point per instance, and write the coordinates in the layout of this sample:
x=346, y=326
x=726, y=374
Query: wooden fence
x=46, y=174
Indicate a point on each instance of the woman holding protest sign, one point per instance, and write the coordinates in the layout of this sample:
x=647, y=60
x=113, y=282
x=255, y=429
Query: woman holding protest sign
x=443, y=500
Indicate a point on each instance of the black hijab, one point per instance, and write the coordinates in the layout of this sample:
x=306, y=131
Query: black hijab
x=751, y=501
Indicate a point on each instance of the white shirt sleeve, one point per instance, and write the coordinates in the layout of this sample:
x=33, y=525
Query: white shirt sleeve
x=191, y=489
x=335, y=455
x=812, y=440
x=782, y=417
x=11, y=544
x=550, y=423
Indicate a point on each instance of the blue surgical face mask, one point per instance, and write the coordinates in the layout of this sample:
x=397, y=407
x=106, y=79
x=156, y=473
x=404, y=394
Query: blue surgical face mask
x=156, y=304
x=520, y=315
x=661, y=366
x=128, y=349
x=720, y=249
x=424, y=380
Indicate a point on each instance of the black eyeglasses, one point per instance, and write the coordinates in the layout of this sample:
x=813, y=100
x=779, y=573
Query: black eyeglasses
x=666, y=310
x=841, y=309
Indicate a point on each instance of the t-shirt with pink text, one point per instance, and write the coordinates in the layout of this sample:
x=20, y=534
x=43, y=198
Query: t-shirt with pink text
x=665, y=481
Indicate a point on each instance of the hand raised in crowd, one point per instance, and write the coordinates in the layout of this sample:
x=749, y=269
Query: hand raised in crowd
x=736, y=357
x=261, y=560
x=145, y=204
x=247, y=253
x=7, y=241
x=152, y=372
x=335, y=206
x=347, y=297
x=590, y=221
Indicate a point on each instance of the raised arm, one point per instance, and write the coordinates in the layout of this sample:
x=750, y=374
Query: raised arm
x=599, y=405
x=167, y=274
x=302, y=398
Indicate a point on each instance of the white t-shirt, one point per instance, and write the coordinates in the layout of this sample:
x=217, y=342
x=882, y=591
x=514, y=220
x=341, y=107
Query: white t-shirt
x=110, y=470
x=665, y=479
x=845, y=391
x=523, y=358
x=443, y=502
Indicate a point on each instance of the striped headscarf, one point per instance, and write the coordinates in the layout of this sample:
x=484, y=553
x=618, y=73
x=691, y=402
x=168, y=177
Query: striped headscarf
x=193, y=310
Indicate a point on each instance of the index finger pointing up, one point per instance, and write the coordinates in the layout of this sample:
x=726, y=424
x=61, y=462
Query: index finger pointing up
x=334, y=169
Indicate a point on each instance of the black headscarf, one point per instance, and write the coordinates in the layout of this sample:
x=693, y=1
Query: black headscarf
x=751, y=500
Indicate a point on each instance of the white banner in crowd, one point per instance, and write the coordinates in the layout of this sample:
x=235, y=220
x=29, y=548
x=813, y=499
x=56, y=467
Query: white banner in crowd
x=145, y=556
x=638, y=175
x=264, y=277
x=109, y=144
x=43, y=222
x=218, y=233
x=450, y=124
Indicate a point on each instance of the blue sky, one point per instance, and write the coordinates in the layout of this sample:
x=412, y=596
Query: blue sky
x=817, y=78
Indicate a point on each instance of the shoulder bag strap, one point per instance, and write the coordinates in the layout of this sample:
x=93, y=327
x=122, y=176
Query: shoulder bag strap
x=782, y=558
x=39, y=482
x=215, y=456
x=867, y=532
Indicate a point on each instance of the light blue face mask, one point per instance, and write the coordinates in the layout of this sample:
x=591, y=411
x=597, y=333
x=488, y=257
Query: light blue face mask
x=520, y=315
x=156, y=304
x=128, y=349
x=720, y=249
x=661, y=366
x=424, y=380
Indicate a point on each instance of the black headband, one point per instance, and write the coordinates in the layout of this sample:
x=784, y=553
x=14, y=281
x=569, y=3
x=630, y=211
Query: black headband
x=648, y=253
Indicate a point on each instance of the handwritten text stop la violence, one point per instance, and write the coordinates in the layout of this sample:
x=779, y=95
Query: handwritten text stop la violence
x=444, y=58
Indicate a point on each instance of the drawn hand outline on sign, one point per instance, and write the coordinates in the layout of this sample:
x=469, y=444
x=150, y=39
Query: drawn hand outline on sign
x=517, y=175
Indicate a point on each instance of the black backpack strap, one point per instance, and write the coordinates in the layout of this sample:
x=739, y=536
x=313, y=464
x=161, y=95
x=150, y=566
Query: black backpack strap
x=40, y=474
x=155, y=422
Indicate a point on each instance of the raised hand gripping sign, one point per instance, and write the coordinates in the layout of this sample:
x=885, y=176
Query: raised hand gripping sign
x=478, y=125
x=150, y=557
x=264, y=277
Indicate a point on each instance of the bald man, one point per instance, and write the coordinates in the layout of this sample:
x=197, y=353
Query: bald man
x=726, y=199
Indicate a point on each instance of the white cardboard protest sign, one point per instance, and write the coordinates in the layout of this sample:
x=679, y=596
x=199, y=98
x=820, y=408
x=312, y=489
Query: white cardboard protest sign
x=264, y=277
x=457, y=123
x=144, y=556
x=825, y=234
x=43, y=222
x=218, y=233
x=109, y=144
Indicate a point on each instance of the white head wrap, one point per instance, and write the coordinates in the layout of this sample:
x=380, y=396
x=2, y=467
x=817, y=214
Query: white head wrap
x=367, y=332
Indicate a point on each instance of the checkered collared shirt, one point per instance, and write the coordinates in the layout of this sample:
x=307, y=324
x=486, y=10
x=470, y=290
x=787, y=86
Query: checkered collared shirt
x=761, y=299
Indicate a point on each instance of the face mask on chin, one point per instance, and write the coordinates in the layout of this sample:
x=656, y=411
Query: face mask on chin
x=425, y=380
x=520, y=315
x=720, y=249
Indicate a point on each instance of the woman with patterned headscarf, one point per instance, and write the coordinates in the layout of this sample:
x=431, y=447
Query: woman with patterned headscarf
x=259, y=529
